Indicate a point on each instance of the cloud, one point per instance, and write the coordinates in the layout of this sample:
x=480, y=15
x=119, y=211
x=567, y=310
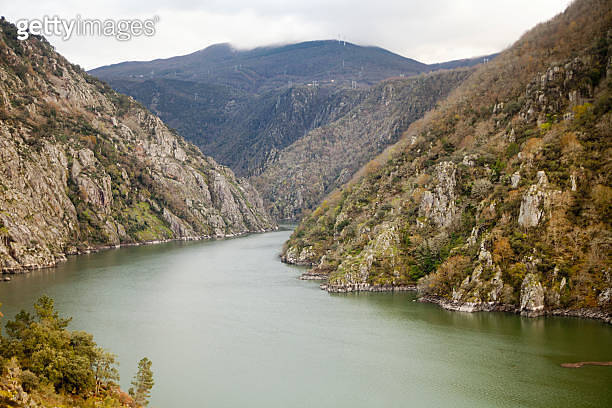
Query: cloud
x=429, y=31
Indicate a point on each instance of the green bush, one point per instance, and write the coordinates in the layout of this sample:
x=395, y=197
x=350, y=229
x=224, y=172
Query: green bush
x=48, y=353
x=29, y=380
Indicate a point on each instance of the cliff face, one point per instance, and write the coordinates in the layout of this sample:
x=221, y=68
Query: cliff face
x=82, y=166
x=243, y=130
x=299, y=176
x=500, y=198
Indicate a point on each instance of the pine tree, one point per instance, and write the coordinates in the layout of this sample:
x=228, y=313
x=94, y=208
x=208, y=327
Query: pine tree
x=142, y=383
x=105, y=369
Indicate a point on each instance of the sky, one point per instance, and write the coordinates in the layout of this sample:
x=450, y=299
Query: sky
x=428, y=30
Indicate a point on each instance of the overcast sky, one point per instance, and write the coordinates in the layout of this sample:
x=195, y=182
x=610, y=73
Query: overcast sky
x=428, y=30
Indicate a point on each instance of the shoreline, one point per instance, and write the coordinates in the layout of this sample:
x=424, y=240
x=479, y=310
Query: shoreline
x=60, y=258
x=583, y=313
x=366, y=287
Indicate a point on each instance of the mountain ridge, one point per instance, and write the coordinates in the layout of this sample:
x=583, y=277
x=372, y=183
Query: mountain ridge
x=297, y=178
x=334, y=56
x=500, y=198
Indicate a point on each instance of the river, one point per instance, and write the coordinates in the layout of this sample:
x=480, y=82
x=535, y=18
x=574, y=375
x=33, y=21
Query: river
x=227, y=325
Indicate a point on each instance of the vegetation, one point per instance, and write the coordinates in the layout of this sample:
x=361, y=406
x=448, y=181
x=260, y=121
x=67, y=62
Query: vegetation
x=142, y=383
x=508, y=178
x=43, y=364
x=238, y=128
x=242, y=107
x=267, y=68
x=328, y=156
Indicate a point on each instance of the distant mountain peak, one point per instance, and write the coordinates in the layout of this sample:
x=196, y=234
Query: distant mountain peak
x=219, y=49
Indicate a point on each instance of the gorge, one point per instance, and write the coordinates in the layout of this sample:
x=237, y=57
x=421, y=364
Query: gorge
x=329, y=219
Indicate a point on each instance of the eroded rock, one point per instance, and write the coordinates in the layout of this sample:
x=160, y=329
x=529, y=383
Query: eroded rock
x=532, y=296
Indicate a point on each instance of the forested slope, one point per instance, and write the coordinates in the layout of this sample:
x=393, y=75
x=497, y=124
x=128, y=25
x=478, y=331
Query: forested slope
x=501, y=198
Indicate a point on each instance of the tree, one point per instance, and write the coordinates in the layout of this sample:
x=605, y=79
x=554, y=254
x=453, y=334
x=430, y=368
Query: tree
x=43, y=353
x=481, y=189
x=502, y=251
x=69, y=360
x=47, y=315
x=4, y=235
x=142, y=383
x=104, y=368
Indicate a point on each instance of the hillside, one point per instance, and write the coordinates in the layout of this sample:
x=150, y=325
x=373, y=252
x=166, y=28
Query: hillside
x=499, y=199
x=460, y=63
x=243, y=106
x=272, y=67
x=298, y=177
x=243, y=129
x=82, y=166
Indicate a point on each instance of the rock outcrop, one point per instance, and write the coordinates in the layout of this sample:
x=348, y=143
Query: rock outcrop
x=83, y=167
x=533, y=201
x=439, y=204
x=532, y=296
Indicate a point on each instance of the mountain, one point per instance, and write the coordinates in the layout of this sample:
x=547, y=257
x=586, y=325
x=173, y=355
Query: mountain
x=272, y=67
x=82, y=167
x=499, y=199
x=242, y=106
x=298, y=177
x=465, y=62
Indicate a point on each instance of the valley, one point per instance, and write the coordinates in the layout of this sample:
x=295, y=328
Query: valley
x=315, y=223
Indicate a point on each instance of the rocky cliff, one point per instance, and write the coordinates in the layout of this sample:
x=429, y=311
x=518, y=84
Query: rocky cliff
x=499, y=199
x=298, y=177
x=82, y=166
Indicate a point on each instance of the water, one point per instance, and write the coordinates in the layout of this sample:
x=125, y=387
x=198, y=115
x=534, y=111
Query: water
x=227, y=325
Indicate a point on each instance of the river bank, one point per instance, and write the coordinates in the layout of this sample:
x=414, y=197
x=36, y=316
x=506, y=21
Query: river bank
x=75, y=251
x=583, y=313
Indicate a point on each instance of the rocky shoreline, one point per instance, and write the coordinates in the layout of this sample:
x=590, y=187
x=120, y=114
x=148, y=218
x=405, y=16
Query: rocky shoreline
x=312, y=274
x=584, y=313
x=366, y=287
x=59, y=258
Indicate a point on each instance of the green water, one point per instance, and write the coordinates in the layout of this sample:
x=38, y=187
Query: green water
x=227, y=325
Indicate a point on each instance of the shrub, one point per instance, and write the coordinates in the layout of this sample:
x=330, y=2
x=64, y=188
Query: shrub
x=512, y=150
x=515, y=274
x=449, y=275
x=481, y=189
x=29, y=380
